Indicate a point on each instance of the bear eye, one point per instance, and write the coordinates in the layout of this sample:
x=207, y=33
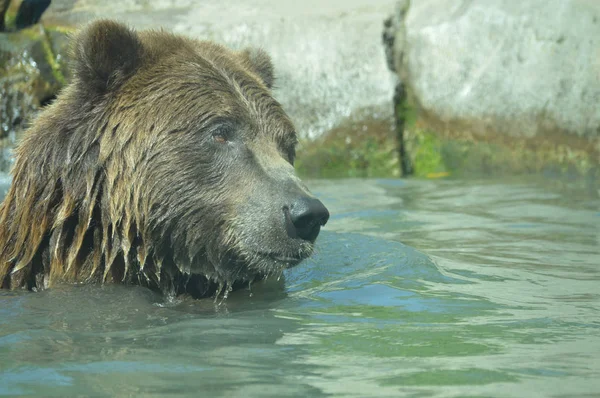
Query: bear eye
x=221, y=136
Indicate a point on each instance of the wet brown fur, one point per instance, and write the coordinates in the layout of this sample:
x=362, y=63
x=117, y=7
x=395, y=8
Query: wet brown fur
x=104, y=182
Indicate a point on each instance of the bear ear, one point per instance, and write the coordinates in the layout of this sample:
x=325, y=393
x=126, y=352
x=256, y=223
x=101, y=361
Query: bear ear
x=258, y=61
x=105, y=54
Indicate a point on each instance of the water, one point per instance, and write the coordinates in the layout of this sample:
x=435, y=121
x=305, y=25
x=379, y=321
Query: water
x=419, y=289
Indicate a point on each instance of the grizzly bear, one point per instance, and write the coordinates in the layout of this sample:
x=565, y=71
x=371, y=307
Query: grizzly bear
x=166, y=162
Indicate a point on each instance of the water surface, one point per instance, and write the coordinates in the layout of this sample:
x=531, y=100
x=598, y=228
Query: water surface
x=419, y=289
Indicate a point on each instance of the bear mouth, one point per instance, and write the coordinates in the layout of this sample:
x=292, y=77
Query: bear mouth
x=265, y=257
x=285, y=259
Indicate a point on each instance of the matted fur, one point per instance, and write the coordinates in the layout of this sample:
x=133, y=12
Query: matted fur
x=113, y=182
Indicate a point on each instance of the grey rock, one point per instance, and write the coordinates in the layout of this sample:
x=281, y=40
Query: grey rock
x=329, y=64
x=520, y=68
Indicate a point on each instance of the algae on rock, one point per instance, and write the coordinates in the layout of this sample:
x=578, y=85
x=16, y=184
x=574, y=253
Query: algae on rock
x=496, y=87
x=32, y=71
x=359, y=147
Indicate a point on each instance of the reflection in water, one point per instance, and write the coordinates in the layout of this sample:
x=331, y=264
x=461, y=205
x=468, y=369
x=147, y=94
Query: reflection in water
x=505, y=301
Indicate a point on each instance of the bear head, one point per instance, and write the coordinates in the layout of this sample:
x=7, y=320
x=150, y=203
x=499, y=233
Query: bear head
x=165, y=162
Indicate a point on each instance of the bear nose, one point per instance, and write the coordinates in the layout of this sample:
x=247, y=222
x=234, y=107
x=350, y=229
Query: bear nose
x=305, y=217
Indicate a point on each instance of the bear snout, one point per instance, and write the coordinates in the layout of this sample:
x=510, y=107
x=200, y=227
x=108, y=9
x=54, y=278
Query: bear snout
x=304, y=218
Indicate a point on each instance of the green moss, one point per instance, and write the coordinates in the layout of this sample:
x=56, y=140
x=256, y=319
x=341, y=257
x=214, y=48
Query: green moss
x=67, y=30
x=427, y=154
x=405, y=119
x=437, y=155
x=40, y=35
x=31, y=72
x=10, y=19
x=354, y=149
x=52, y=58
x=407, y=113
x=38, y=43
x=339, y=160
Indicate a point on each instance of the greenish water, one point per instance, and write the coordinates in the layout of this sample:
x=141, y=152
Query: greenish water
x=419, y=289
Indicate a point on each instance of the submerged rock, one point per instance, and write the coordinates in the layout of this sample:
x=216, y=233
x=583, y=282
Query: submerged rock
x=523, y=76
